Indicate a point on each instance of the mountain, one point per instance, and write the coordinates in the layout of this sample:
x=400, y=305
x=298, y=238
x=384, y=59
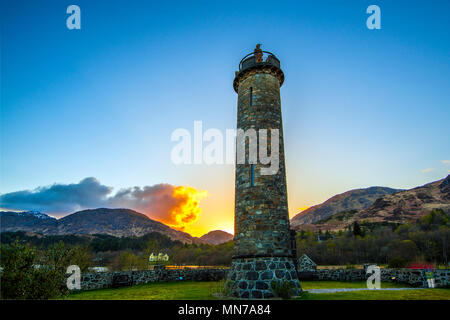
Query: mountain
x=409, y=204
x=36, y=214
x=27, y=221
x=399, y=207
x=217, y=237
x=351, y=200
x=115, y=222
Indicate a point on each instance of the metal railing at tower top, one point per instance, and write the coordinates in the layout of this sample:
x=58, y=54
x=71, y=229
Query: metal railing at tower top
x=259, y=58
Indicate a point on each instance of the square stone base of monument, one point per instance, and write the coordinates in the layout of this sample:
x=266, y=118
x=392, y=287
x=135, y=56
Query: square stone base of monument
x=252, y=278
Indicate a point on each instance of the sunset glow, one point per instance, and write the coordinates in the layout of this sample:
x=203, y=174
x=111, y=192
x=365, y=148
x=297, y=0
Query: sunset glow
x=187, y=210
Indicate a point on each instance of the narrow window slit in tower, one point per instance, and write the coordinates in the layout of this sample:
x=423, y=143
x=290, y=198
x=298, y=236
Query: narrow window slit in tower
x=251, y=96
x=252, y=175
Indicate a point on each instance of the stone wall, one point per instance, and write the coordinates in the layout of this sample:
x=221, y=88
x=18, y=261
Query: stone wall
x=442, y=278
x=414, y=277
x=101, y=280
x=340, y=274
x=306, y=264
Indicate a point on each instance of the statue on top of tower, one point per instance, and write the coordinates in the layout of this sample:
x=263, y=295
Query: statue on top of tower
x=258, y=53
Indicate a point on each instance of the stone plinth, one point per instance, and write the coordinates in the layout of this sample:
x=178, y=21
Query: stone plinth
x=252, y=278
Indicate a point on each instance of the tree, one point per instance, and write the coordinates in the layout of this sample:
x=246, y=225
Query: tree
x=82, y=257
x=50, y=276
x=18, y=271
x=405, y=250
x=302, y=235
x=444, y=233
x=356, y=229
x=26, y=275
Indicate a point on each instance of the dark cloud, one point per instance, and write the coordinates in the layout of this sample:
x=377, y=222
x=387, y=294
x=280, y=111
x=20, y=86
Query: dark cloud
x=58, y=198
x=157, y=199
x=174, y=205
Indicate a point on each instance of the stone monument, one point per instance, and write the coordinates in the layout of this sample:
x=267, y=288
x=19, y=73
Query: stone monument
x=263, y=248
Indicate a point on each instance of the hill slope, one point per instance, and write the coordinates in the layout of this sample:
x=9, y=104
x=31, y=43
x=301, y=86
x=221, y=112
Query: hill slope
x=27, y=221
x=115, y=222
x=217, y=237
x=409, y=204
x=400, y=207
x=351, y=200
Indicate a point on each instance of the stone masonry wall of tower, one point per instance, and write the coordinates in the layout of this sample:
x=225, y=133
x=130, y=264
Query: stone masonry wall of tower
x=261, y=212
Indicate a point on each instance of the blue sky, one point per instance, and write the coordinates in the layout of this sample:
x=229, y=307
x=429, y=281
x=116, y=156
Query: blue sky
x=360, y=107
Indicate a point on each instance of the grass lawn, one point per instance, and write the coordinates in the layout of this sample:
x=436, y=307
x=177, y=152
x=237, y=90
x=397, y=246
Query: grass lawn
x=188, y=290
x=191, y=290
x=307, y=285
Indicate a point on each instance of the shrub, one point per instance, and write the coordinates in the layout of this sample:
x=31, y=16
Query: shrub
x=18, y=272
x=26, y=275
x=283, y=289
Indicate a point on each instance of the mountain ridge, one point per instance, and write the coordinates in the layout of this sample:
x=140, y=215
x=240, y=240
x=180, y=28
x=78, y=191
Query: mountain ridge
x=217, y=237
x=354, y=199
x=116, y=222
x=409, y=204
x=399, y=207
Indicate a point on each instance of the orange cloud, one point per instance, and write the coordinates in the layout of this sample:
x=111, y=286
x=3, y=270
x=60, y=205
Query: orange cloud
x=175, y=206
x=187, y=207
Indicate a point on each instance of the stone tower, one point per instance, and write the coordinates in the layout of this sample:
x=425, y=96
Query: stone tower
x=264, y=252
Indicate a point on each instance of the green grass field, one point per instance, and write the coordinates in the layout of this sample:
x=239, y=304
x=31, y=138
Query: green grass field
x=208, y=291
x=308, y=285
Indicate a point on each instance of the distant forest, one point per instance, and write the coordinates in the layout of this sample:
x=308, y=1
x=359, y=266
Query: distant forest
x=397, y=245
x=425, y=240
x=127, y=253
